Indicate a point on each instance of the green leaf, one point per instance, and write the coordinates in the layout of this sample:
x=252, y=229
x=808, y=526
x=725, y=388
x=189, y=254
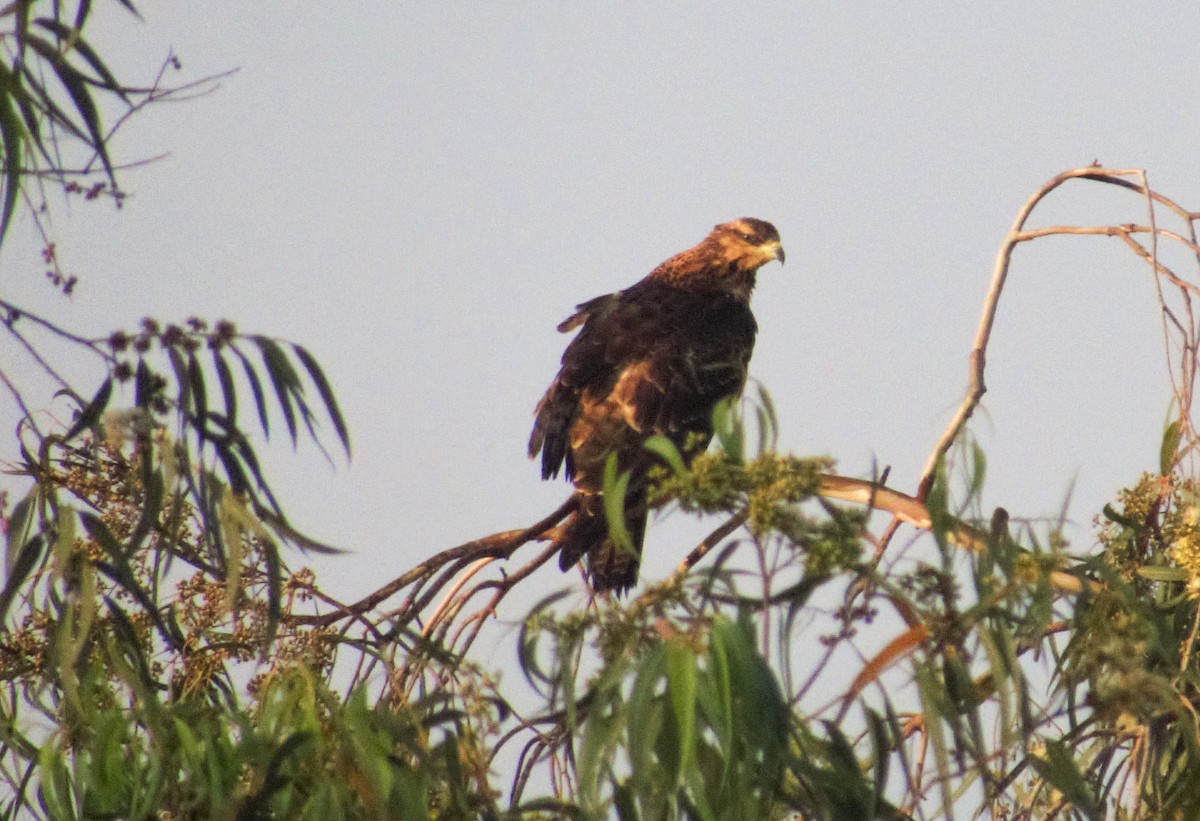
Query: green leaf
x=768, y=421
x=71, y=35
x=26, y=560
x=228, y=391
x=19, y=522
x=91, y=413
x=274, y=780
x=283, y=378
x=881, y=750
x=155, y=487
x=274, y=587
x=729, y=429
x=64, y=540
x=1060, y=769
x=197, y=388
x=717, y=696
x=55, y=788
x=615, y=488
x=184, y=396
x=1112, y=515
x=12, y=133
x=73, y=81
x=1169, y=447
x=1162, y=573
x=978, y=470
x=666, y=449
x=327, y=396
x=260, y=398
x=643, y=713
x=130, y=646
x=143, y=384
x=120, y=571
x=681, y=685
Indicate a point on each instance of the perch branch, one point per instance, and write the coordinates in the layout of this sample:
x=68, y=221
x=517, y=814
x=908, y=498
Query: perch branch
x=497, y=545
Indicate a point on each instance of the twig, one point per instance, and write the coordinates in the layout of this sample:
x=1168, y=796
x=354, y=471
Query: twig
x=710, y=541
x=497, y=545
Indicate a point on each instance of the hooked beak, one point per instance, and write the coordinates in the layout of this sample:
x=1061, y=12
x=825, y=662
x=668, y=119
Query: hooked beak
x=776, y=251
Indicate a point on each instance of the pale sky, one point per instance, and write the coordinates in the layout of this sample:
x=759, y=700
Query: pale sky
x=419, y=193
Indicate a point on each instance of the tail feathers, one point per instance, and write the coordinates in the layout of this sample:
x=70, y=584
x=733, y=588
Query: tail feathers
x=611, y=565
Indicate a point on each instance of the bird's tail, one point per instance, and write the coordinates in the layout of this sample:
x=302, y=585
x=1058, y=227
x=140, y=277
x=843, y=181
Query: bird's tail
x=610, y=564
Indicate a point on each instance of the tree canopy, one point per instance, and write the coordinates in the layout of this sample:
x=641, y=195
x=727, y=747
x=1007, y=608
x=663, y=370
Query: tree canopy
x=834, y=648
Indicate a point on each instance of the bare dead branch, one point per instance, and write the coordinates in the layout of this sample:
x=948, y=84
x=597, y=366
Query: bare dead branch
x=1016, y=235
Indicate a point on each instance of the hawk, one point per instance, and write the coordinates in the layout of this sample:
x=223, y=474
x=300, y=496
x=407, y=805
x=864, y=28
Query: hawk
x=652, y=359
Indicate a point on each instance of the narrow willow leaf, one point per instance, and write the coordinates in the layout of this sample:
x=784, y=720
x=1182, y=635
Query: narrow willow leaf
x=1112, y=515
x=26, y=560
x=198, y=390
x=881, y=751
x=29, y=115
x=978, y=470
x=643, y=713
x=273, y=781
x=43, y=102
x=720, y=684
x=681, y=685
x=55, y=783
x=729, y=430
x=233, y=468
x=11, y=135
x=768, y=405
x=81, y=13
x=933, y=712
x=1161, y=573
x=155, y=489
x=260, y=397
x=283, y=378
x=274, y=589
x=143, y=384
x=64, y=644
x=327, y=396
x=87, y=605
x=19, y=522
x=228, y=389
x=549, y=808
x=1170, y=446
x=107, y=80
x=997, y=643
x=74, y=83
x=595, y=750
x=90, y=415
x=615, y=488
x=1060, y=769
x=64, y=540
x=228, y=517
x=129, y=648
x=184, y=395
x=119, y=569
x=665, y=448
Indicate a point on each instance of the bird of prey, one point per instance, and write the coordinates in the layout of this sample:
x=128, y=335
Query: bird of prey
x=652, y=359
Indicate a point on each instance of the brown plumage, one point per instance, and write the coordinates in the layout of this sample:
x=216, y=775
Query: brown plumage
x=654, y=358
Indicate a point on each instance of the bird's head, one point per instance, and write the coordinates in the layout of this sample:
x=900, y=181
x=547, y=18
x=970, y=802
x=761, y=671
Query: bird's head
x=726, y=260
x=747, y=244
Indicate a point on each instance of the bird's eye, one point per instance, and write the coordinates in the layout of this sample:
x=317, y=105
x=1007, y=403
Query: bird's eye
x=745, y=236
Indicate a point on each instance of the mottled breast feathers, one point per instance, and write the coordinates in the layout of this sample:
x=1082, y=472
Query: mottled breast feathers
x=661, y=355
